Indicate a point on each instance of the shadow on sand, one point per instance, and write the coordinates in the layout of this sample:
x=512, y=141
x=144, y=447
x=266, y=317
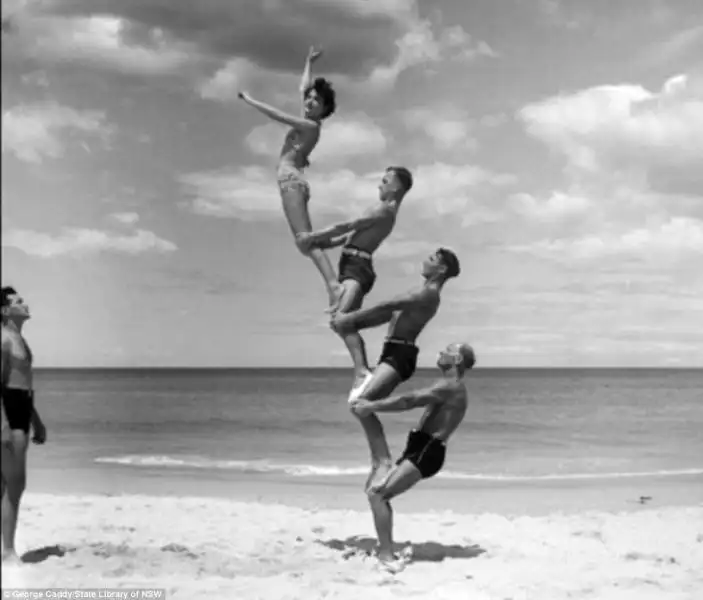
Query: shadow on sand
x=41, y=554
x=423, y=552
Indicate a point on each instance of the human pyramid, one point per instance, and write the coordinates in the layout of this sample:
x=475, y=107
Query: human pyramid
x=407, y=314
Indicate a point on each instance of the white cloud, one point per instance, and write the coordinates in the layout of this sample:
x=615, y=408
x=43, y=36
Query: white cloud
x=99, y=39
x=227, y=81
x=419, y=46
x=340, y=139
x=126, y=218
x=443, y=189
x=449, y=128
x=251, y=193
x=81, y=242
x=675, y=239
x=624, y=127
x=633, y=181
x=557, y=206
x=35, y=131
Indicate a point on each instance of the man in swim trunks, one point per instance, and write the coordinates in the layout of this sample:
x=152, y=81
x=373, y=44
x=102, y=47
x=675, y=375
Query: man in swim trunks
x=408, y=315
x=445, y=405
x=360, y=238
x=19, y=414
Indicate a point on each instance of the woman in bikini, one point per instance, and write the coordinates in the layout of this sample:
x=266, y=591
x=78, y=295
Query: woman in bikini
x=318, y=103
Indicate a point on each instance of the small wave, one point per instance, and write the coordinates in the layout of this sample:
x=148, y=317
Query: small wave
x=233, y=465
x=303, y=470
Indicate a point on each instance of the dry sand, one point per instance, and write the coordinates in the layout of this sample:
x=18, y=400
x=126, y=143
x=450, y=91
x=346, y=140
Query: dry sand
x=211, y=548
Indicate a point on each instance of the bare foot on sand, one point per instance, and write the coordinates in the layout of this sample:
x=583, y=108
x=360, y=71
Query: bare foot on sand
x=391, y=564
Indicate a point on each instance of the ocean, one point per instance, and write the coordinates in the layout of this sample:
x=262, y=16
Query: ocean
x=255, y=425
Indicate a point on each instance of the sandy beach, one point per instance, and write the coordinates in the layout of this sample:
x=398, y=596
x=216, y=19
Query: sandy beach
x=192, y=547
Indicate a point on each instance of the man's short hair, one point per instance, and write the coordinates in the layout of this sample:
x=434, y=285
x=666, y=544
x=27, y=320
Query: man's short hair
x=468, y=356
x=450, y=260
x=7, y=291
x=326, y=94
x=404, y=176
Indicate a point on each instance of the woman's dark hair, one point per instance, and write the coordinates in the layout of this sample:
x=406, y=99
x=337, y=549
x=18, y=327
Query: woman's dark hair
x=326, y=95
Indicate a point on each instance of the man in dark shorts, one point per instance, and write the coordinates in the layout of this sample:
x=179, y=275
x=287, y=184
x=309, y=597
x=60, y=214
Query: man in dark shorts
x=408, y=315
x=19, y=415
x=359, y=239
x=445, y=405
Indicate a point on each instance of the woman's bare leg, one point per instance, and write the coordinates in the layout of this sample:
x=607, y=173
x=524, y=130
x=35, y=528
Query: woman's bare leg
x=295, y=206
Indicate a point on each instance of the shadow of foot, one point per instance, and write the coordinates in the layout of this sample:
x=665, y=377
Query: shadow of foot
x=422, y=552
x=41, y=554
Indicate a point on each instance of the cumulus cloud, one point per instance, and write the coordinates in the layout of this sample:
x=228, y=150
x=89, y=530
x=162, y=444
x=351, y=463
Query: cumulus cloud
x=440, y=190
x=557, y=206
x=374, y=41
x=251, y=193
x=341, y=139
x=101, y=39
x=448, y=127
x=663, y=242
x=633, y=181
x=126, y=218
x=33, y=132
x=77, y=242
x=626, y=128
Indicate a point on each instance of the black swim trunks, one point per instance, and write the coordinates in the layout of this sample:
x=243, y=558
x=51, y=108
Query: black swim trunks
x=401, y=355
x=424, y=451
x=19, y=407
x=357, y=265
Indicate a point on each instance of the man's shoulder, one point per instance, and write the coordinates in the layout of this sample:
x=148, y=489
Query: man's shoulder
x=386, y=211
x=450, y=388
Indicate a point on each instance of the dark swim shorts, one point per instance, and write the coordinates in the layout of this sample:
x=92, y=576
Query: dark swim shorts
x=424, y=451
x=19, y=407
x=401, y=355
x=357, y=265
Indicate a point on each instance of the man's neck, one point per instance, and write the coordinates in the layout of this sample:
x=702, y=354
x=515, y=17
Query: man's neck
x=434, y=283
x=13, y=325
x=452, y=374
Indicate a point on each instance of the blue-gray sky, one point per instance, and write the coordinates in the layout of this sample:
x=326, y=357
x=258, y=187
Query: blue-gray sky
x=556, y=146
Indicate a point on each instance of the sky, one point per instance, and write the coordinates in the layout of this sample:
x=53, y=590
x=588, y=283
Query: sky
x=556, y=146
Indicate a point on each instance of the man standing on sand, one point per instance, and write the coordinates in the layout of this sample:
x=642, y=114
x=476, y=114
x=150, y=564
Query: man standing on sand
x=445, y=405
x=361, y=237
x=19, y=414
x=408, y=315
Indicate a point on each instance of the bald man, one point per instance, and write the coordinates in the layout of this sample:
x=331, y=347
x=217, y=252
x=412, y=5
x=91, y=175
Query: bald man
x=445, y=405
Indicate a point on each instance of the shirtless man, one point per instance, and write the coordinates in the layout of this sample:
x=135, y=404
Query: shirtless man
x=445, y=405
x=318, y=100
x=18, y=414
x=408, y=315
x=360, y=238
